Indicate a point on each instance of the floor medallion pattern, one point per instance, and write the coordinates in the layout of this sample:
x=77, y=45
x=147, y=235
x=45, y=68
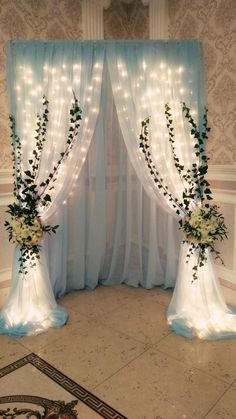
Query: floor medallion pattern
x=17, y=406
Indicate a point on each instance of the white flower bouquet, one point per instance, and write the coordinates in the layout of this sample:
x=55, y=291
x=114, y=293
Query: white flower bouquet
x=204, y=225
x=25, y=231
x=200, y=222
x=25, y=227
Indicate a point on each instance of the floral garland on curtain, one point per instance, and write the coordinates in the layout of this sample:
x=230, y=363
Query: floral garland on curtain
x=25, y=227
x=201, y=222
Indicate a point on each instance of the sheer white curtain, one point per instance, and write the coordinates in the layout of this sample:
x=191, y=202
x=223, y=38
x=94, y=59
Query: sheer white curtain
x=112, y=231
x=56, y=70
x=144, y=77
x=113, y=220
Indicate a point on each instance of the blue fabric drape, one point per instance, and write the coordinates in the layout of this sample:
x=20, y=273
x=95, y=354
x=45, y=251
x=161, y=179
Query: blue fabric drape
x=114, y=224
x=123, y=242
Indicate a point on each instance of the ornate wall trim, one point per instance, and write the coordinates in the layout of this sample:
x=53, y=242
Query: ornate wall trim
x=6, y=199
x=6, y=177
x=5, y=278
x=222, y=172
x=158, y=18
x=92, y=18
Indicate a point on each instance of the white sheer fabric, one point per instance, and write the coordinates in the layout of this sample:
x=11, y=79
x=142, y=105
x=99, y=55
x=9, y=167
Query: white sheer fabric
x=110, y=231
x=144, y=77
x=53, y=69
x=56, y=70
x=197, y=307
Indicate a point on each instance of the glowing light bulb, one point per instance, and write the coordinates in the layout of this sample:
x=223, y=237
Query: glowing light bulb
x=144, y=65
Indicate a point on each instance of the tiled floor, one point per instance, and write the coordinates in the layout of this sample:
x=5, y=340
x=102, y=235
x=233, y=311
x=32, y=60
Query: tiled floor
x=117, y=344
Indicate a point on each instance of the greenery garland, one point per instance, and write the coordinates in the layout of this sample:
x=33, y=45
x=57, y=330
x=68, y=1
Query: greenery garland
x=25, y=227
x=201, y=222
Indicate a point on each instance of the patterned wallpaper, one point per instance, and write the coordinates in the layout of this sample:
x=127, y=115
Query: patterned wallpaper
x=214, y=22
x=31, y=19
x=126, y=21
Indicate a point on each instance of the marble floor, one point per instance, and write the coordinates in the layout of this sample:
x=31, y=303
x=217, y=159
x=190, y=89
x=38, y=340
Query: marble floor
x=118, y=346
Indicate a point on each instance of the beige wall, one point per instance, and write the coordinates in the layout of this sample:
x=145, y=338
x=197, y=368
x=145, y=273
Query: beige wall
x=214, y=22
x=126, y=21
x=31, y=19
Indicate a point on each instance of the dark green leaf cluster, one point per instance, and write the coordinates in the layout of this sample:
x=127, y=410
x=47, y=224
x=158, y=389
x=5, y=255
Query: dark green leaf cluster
x=159, y=181
x=25, y=225
x=196, y=193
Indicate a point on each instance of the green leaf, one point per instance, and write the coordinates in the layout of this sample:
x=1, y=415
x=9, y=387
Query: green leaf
x=47, y=198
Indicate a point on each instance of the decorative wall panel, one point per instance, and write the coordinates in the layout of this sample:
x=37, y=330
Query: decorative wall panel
x=214, y=22
x=31, y=19
x=126, y=20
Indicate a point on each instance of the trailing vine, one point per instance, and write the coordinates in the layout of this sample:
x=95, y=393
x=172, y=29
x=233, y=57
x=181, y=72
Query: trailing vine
x=25, y=227
x=201, y=222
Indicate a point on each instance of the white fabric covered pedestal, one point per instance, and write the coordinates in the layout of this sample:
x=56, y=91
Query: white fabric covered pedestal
x=31, y=307
x=197, y=308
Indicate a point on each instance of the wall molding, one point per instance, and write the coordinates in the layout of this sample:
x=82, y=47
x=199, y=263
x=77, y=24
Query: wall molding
x=6, y=177
x=224, y=172
x=224, y=273
x=158, y=18
x=5, y=277
x=225, y=196
x=6, y=199
x=92, y=18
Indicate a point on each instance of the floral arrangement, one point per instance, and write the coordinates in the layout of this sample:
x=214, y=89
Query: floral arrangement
x=25, y=227
x=200, y=222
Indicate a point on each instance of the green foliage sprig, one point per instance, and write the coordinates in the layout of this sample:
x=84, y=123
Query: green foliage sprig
x=25, y=227
x=201, y=222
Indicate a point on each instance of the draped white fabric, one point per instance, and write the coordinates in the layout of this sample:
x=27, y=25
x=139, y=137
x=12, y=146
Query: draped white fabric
x=55, y=70
x=112, y=231
x=115, y=226
x=144, y=77
x=197, y=307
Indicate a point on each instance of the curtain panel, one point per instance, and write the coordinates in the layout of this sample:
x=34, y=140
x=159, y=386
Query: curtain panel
x=115, y=225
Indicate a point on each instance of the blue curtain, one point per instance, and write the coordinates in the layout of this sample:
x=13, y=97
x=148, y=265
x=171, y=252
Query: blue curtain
x=114, y=226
